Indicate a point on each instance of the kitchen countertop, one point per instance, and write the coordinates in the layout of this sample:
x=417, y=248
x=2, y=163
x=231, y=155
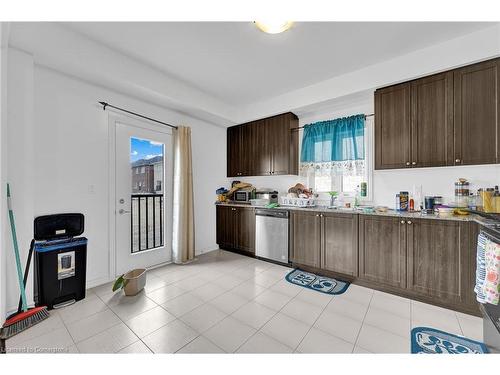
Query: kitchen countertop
x=407, y=215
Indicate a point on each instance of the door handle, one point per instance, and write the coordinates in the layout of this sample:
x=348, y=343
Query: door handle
x=121, y=211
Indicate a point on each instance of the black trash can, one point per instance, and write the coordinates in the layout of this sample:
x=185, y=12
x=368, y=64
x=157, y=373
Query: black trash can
x=60, y=260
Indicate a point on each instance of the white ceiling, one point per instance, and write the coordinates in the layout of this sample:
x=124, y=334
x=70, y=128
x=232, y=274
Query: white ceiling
x=240, y=65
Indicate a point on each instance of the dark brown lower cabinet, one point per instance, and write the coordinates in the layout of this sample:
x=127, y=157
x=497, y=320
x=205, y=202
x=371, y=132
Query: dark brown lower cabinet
x=427, y=259
x=236, y=228
x=382, y=250
x=245, y=229
x=305, y=238
x=438, y=261
x=225, y=226
x=325, y=240
x=340, y=243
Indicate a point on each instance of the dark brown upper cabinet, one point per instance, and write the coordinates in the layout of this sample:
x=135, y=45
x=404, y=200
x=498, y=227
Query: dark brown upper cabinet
x=477, y=112
x=234, y=138
x=432, y=121
x=392, y=127
x=445, y=119
x=263, y=147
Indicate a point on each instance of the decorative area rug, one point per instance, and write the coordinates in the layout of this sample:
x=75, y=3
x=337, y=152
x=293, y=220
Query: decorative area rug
x=320, y=283
x=426, y=340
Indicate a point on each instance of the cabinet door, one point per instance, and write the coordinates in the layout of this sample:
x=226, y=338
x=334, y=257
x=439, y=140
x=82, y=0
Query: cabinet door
x=340, y=243
x=477, y=109
x=282, y=143
x=233, y=151
x=225, y=226
x=261, y=149
x=432, y=121
x=247, y=151
x=305, y=240
x=382, y=250
x=392, y=127
x=245, y=229
x=437, y=259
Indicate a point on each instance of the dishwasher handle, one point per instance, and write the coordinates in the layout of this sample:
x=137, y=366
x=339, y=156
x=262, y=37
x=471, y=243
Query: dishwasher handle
x=272, y=213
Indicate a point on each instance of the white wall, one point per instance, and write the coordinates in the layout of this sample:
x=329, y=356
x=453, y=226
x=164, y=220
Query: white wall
x=3, y=163
x=70, y=133
x=20, y=163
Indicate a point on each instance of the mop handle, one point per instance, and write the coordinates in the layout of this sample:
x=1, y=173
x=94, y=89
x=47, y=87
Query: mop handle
x=16, y=250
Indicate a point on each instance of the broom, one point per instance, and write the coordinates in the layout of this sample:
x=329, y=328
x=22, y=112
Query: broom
x=27, y=317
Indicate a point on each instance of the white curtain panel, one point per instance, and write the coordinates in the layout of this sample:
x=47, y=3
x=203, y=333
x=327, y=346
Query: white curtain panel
x=183, y=213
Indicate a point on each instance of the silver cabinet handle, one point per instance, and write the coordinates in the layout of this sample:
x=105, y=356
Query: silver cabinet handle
x=458, y=161
x=407, y=163
x=121, y=211
x=409, y=222
x=317, y=215
x=402, y=221
x=413, y=163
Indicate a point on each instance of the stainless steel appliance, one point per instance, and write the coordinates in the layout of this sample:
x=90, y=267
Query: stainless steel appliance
x=270, y=195
x=243, y=195
x=491, y=313
x=271, y=235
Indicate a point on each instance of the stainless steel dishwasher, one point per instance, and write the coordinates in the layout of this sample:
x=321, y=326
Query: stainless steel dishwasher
x=271, y=234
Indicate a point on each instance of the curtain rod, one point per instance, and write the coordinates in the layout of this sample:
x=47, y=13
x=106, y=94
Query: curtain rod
x=302, y=127
x=104, y=105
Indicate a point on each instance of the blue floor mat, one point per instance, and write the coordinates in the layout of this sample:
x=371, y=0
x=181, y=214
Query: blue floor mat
x=426, y=340
x=321, y=284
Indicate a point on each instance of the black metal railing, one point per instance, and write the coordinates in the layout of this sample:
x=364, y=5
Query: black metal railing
x=146, y=223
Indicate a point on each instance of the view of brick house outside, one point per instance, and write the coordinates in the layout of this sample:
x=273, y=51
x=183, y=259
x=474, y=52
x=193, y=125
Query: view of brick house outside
x=147, y=176
x=147, y=199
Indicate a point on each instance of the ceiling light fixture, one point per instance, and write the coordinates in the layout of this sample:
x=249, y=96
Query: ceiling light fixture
x=273, y=27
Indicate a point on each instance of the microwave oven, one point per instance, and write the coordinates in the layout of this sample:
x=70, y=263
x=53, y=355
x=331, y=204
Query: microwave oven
x=243, y=195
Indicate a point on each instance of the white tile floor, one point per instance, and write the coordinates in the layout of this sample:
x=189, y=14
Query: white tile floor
x=225, y=303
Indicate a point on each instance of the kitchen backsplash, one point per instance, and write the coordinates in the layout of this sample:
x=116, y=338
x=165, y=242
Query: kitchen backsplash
x=434, y=181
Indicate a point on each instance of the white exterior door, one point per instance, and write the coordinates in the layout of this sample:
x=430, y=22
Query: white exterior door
x=143, y=196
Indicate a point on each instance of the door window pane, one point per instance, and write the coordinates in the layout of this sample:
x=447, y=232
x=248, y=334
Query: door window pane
x=147, y=199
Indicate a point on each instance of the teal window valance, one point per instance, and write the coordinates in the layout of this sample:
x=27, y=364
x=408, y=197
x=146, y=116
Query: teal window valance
x=338, y=140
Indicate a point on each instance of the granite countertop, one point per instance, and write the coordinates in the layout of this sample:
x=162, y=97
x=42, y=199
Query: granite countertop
x=407, y=215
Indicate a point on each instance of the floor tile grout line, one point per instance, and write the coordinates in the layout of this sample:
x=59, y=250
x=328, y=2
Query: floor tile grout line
x=312, y=325
x=363, y=321
x=67, y=330
x=459, y=324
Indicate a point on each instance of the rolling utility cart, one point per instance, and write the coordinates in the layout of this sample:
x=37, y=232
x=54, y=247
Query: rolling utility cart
x=60, y=260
